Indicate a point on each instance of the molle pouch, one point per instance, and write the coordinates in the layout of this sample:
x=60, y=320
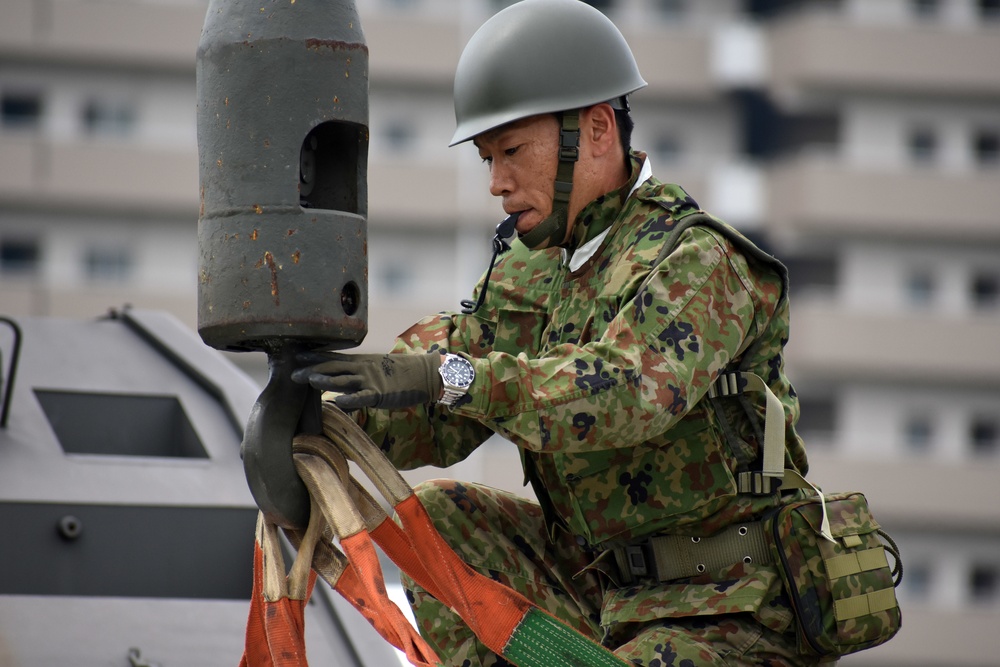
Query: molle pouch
x=841, y=589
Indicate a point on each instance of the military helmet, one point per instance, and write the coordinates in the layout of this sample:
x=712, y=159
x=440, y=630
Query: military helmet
x=540, y=56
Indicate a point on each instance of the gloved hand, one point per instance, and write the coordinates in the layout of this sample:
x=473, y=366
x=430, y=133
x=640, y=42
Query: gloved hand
x=374, y=380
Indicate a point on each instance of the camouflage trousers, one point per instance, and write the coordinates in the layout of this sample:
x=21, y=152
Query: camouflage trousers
x=504, y=537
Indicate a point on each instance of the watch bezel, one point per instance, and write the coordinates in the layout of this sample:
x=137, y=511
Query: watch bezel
x=452, y=391
x=454, y=360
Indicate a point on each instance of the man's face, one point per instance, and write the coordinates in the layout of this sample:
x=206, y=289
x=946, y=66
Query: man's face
x=523, y=158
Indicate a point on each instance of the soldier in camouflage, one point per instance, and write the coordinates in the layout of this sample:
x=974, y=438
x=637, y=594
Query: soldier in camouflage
x=599, y=336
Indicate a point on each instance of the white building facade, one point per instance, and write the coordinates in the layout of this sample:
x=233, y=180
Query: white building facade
x=859, y=140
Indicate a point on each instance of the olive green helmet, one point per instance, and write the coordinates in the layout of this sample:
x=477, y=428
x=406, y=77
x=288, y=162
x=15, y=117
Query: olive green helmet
x=536, y=57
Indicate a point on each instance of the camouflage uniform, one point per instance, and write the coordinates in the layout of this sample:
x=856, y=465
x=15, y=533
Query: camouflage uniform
x=599, y=373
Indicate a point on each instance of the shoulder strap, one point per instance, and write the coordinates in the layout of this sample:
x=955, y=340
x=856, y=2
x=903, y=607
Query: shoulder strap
x=736, y=380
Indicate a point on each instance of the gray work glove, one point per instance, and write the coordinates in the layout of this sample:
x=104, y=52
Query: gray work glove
x=374, y=380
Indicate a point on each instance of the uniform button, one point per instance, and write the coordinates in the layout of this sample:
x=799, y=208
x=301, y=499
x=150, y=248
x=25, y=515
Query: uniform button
x=581, y=540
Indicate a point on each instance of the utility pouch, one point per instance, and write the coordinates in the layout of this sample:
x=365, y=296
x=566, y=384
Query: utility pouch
x=841, y=589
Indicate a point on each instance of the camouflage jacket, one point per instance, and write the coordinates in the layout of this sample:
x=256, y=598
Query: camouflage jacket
x=599, y=373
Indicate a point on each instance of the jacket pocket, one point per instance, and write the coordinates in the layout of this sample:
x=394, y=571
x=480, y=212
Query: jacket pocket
x=517, y=331
x=739, y=588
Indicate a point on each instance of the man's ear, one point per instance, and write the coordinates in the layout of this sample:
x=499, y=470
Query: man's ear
x=602, y=128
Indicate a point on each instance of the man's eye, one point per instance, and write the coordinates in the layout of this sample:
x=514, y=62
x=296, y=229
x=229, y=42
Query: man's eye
x=487, y=160
x=511, y=151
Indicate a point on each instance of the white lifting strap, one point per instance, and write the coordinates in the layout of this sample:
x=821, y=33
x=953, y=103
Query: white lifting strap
x=773, y=464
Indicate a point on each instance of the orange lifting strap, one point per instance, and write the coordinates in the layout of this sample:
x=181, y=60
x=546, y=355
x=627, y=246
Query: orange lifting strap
x=504, y=620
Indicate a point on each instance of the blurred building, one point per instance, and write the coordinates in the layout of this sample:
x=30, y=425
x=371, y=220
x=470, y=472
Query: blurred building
x=859, y=140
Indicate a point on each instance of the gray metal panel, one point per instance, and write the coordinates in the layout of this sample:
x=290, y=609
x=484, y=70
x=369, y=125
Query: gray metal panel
x=38, y=631
x=105, y=358
x=163, y=540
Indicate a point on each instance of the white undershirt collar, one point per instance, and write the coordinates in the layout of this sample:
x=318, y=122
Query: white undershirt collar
x=587, y=250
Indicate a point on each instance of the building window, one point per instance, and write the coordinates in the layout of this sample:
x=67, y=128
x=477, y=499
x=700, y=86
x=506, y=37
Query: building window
x=920, y=288
x=398, y=280
x=925, y=8
x=917, y=433
x=817, y=419
x=20, y=110
x=985, y=290
x=984, y=583
x=917, y=582
x=672, y=10
x=603, y=5
x=922, y=145
x=984, y=436
x=108, y=118
x=19, y=256
x=400, y=137
x=106, y=264
x=667, y=149
x=812, y=273
x=989, y=9
x=986, y=148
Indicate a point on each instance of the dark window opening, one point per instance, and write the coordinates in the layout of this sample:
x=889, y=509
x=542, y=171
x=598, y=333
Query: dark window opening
x=672, y=10
x=768, y=132
x=400, y=137
x=918, y=580
x=984, y=436
x=20, y=110
x=19, y=256
x=922, y=145
x=667, y=149
x=771, y=8
x=817, y=418
x=986, y=148
x=917, y=434
x=120, y=424
x=108, y=118
x=603, y=5
x=925, y=8
x=920, y=288
x=108, y=264
x=986, y=291
x=812, y=272
x=989, y=9
x=984, y=583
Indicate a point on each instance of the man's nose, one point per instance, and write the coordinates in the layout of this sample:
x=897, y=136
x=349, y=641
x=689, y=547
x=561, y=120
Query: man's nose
x=500, y=180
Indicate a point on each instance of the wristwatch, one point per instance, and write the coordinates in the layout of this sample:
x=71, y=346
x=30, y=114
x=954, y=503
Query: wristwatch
x=457, y=374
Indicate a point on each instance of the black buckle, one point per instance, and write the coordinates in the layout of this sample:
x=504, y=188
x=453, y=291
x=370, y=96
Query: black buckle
x=569, y=145
x=638, y=563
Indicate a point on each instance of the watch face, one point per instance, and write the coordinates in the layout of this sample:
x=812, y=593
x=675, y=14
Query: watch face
x=458, y=372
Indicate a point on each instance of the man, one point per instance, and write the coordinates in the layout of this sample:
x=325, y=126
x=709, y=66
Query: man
x=594, y=350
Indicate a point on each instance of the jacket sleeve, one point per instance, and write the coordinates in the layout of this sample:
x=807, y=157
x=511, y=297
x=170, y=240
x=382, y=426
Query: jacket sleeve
x=671, y=338
x=428, y=434
x=432, y=434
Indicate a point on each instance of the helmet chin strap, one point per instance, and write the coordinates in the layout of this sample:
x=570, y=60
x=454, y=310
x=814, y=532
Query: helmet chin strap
x=552, y=231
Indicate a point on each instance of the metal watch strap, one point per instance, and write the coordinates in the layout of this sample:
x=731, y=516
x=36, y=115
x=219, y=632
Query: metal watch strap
x=451, y=396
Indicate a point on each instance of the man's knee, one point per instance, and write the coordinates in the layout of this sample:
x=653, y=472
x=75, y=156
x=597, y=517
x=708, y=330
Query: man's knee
x=450, y=504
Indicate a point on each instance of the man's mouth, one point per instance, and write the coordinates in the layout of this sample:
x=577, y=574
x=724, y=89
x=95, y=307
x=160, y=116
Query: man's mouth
x=524, y=221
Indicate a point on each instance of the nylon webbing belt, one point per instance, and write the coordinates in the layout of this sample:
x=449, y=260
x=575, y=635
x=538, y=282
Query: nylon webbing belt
x=669, y=557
